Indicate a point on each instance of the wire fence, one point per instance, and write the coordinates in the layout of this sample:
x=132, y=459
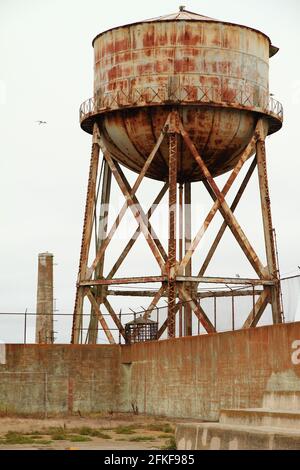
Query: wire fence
x=225, y=313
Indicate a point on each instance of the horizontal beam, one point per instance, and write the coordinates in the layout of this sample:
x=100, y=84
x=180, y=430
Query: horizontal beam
x=123, y=280
x=199, y=280
x=234, y=293
x=200, y=295
x=226, y=280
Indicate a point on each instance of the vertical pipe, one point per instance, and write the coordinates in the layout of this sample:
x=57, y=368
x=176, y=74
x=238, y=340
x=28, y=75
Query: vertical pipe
x=180, y=248
x=173, y=144
x=232, y=313
x=278, y=275
x=44, y=307
x=268, y=227
x=120, y=319
x=188, y=330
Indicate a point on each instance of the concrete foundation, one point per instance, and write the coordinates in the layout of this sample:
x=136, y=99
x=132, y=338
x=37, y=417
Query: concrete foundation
x=191, y=377
x=241, y=429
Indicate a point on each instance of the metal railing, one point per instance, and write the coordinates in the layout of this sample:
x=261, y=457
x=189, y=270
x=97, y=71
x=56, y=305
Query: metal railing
x=275, y=107
x=195, y=94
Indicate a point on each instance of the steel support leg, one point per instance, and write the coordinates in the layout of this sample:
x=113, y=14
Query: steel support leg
x=102, y=233
x=173, y=147
x=86, y=239
x=188, y=329
x=268, y=229
x=181, y=212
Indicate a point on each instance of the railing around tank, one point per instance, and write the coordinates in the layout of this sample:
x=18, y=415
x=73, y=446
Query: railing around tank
x=148, y=96
x=87, y=108
x=275, y=107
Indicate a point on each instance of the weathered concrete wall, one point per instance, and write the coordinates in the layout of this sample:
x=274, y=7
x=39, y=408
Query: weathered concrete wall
x=196, y=376
x=59, y=378
x=184, y=377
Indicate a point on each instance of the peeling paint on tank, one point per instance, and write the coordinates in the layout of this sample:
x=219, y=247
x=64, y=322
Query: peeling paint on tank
x=144, y=68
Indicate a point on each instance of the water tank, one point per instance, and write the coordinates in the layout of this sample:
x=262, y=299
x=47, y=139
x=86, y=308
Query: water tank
x=215, y=73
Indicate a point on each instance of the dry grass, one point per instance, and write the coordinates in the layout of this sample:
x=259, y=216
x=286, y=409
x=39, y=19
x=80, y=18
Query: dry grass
x=165, y=428
x=13, y=438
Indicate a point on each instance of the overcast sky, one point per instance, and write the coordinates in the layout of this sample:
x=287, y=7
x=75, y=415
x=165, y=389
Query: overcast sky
x=46, y=71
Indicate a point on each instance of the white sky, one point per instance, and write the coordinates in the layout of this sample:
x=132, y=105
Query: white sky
x=46, y=71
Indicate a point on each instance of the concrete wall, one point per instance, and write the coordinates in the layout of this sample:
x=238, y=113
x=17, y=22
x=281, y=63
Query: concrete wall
x=51, y=379
x=185, y=377
x=196, y=376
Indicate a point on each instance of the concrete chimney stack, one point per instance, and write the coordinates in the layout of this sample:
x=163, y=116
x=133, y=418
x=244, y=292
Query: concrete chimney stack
x=44, y=306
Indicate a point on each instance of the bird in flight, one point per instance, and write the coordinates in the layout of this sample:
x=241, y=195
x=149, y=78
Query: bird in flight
x=41, y=122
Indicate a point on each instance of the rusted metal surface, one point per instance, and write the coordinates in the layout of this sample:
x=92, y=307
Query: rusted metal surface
x=86, y=237
x=138, y=213
x=185, y=15
x=92, y=334
x=200, y=295
x=124, y=280
x=174, y=273
x=136, y=234
x=198, y=310
x=180, y=241
x=44, y=305
x=97, y=311
x=216, y=73
x=230, y=219
x=173, y=151
x=224, y=225
x=268, y=228
x=257, y=311
x=105, y=243
x=180, y=99
x=226, y=280
x=114, y=317
x=242, y=159
x=157, y=297
x=188, y=324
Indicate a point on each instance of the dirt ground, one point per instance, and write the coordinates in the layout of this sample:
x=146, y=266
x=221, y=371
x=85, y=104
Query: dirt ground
x=120, y=431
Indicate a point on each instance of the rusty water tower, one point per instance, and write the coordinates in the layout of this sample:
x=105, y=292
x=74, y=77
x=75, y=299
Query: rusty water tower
x=181, y=99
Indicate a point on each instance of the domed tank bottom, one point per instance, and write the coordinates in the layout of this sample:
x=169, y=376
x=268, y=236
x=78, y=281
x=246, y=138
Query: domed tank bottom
x=219, y=134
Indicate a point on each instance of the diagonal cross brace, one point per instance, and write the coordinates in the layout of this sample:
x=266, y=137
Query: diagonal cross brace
x=123, y=210
x=243, y=158
x=223, y=207
x=224, y=225
x=259, y=308
x=137, y=212
x=136, y=234
x=198, y=310
x=154, y=301
x=101, y=318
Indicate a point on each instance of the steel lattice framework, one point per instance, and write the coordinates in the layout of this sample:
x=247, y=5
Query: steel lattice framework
x=176, y=279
